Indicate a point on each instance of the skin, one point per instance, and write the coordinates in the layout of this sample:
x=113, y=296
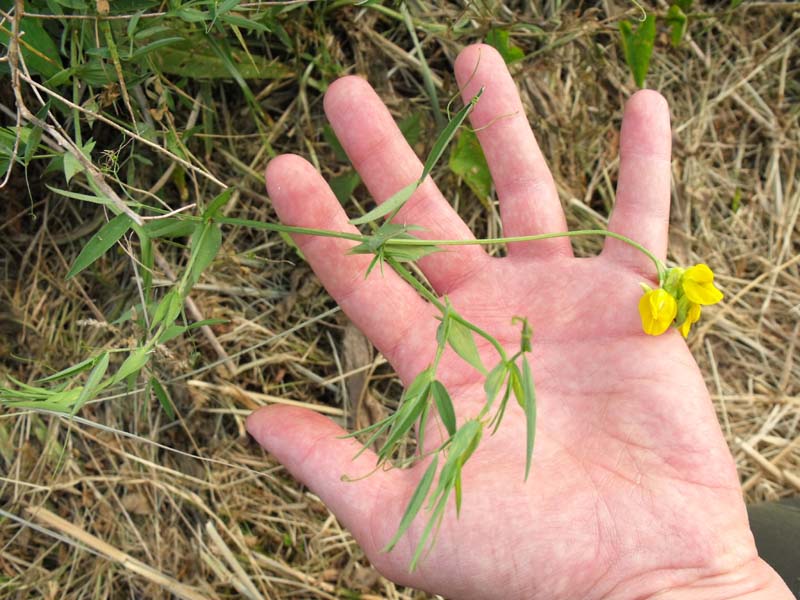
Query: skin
x=633, y=492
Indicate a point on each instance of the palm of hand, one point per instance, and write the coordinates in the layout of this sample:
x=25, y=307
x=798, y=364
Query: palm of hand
x=628, y=454
x=632, y=488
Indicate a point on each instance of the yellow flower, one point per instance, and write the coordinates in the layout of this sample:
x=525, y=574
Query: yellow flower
x=698, y=285
x=692, y=317
x=657, y=309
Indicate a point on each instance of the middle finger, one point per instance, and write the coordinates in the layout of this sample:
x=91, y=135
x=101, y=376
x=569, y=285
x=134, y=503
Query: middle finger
x=386, y=163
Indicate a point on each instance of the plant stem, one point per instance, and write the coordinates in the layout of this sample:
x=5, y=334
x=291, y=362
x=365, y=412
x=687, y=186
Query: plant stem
x=660, y=268
x=500, y=350
x=532, y=238
x=417, y=285
x=355, y=237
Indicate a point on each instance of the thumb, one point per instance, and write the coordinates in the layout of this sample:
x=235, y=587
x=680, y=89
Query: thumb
x=309, y=445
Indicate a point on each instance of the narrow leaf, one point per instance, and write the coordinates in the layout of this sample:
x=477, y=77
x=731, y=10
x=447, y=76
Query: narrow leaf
x=406, y=417
x=101, y=242
x=462, y=341
x=92, y=382
x=444, y=405
x=69, y=371
x=529, y=393
x=392, y=204
x=415, y=504
x=217, y=203
x=135, y=361
x=163, y=397
x=205, y=244
x=447, y=134
x=494, y=381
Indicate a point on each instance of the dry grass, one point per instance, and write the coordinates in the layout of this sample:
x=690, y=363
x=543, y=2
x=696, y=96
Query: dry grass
x=193, y=507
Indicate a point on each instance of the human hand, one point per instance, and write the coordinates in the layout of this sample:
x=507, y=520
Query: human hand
x=633, y=491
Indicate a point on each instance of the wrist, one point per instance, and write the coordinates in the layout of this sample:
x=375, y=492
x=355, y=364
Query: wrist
x=754, y=580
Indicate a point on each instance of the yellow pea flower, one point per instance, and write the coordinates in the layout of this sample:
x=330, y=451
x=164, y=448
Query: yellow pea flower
x=698, y=285
x=692, y=317
x=657, y=309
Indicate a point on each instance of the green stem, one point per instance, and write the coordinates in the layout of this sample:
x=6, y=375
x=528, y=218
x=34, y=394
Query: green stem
x=355, y=237
x=500, y=350
x=416, y=284
x=660, y=268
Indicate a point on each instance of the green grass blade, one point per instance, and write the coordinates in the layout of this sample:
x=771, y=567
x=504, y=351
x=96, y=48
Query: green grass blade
x=101, y=242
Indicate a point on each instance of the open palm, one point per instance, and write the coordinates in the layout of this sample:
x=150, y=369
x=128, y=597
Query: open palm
x=633, y=491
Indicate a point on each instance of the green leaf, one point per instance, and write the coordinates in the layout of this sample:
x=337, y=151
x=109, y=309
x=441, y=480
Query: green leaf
x=32, y=143
x=38, y=49
x=245, y=23
x=206, y=242
x=163, y=397
x=170, y=227
x=69, y=371
x=415, y=503
x=462, y=341
x=135, y=361
x=499, y=39
x=447, y=134
x=174, y=331
x=404, y=253
x=85, y=198
x=501, y=410
x=468, y=162
x=203, y=63
x=168, y=309
x=92, y=382
x=413, y=403
x=676, y=19
x=72, y=165
x=494, y=381
x=529, y=393
x=344, y=185
x=419, y=385
x=330, y=137
x=444, y=405
x=101, y=242
x=392, y=204
x=217, y=203
x=411, y=128
x=638, y=47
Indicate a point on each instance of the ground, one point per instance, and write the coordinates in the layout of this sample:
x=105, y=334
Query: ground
x=127, y=499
